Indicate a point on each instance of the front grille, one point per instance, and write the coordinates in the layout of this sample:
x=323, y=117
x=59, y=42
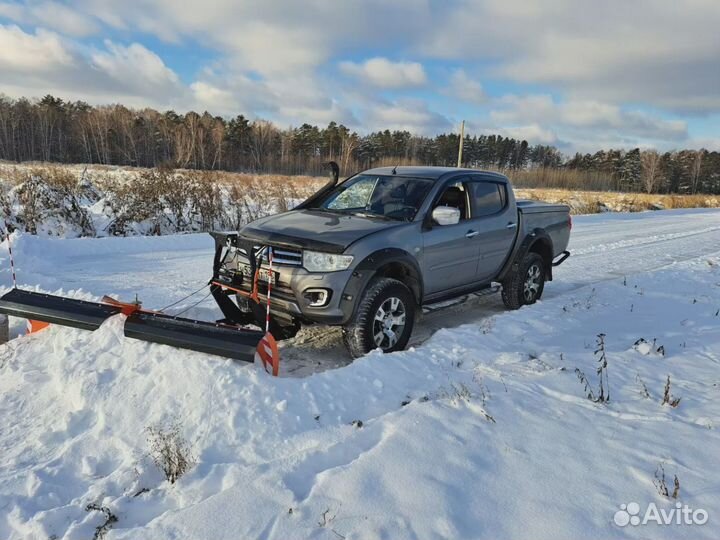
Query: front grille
x=290, y=257
x=281, y=256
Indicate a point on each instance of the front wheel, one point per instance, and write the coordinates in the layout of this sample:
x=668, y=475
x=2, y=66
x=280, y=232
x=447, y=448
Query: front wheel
x=384, y=319
x=525, y=285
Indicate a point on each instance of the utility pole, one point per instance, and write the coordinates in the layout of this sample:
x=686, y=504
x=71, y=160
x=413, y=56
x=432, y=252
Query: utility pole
x=462, y=139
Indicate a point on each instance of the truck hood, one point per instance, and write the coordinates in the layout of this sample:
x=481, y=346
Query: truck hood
x=311, y=229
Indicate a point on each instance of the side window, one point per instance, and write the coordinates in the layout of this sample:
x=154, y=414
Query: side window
x=487, y=198
x=456, y=195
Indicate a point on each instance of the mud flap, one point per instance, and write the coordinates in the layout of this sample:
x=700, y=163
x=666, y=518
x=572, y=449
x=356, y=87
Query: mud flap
x=201, y=336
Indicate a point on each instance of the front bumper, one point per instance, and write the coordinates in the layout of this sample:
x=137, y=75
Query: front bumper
x=289, y=297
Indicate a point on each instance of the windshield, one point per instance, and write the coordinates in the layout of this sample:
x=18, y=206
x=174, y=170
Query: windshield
x=390, y=197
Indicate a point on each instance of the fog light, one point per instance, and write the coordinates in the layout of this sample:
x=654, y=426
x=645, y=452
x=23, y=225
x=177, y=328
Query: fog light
x=317, y=297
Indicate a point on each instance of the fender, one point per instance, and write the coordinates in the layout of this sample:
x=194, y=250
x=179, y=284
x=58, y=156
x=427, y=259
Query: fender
x=367, y=269
x=523, y=248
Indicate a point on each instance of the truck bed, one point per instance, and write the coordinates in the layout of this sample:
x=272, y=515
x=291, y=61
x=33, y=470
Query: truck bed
x=553, y=218
x=527, y=206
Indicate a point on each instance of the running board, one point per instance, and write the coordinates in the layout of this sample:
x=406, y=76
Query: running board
x=200, y=336
x=446, y=304
x=56, y=309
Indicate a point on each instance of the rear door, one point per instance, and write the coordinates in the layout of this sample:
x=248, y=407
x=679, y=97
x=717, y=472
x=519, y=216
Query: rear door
x=451, y=252
x=496, y=220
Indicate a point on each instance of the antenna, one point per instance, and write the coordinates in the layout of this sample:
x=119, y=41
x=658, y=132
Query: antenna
x=462, y=139
x=394, y=171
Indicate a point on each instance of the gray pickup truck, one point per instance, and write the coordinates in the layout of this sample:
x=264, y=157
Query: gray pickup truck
x=369, y=252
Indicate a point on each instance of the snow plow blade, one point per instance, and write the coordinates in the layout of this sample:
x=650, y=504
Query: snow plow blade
x=201, y=336
x=56, y=309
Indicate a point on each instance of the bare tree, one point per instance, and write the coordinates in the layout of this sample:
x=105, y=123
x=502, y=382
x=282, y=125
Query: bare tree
x=695, y=170
x=262, y=134
x=348, y=145
x=651, y=175
x=51, y=129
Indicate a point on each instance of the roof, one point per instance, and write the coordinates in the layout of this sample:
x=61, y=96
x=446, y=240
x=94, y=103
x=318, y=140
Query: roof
x=426, y=172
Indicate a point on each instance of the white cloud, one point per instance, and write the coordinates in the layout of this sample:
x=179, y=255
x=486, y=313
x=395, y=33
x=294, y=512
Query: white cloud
x=271, y=50
x=213, y=97
x=383, y=73
x=408, y=114
x=708, y=143
x=294, y=115
x=33, y=65
x=64, y=19
x=11, y=11
x=579, y=118
x=645, y=51
x=271, y=37
x=465, y=88
x=135, y=68
x=53, y=15
x=616, y=68
x=533, y=133
x=288, y=102
x=30, y=53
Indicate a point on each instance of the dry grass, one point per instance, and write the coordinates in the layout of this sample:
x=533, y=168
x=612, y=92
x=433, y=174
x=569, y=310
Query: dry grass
x=68, y=175
x=249, y=196
x=170, y=451
x=142, y=201
x=594, y=202
x=565, y=179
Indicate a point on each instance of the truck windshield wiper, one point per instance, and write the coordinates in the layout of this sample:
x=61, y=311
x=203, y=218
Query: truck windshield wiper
x=373, y=215
x=326, y=210
x=358, y=213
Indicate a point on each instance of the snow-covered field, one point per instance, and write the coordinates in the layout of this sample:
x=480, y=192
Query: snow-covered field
x=482, y=430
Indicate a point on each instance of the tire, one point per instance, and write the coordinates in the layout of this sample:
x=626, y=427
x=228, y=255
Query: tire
x=361, y=335
x=525, y=285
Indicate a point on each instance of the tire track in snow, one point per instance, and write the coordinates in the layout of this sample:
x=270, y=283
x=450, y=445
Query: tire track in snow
x=643, y=242
x=604, y=247
x=645, y=247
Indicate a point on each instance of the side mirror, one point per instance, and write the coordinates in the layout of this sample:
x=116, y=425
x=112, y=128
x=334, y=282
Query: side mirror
x=446, y=215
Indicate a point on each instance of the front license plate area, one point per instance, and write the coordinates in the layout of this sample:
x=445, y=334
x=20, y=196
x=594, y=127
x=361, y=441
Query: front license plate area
x=264, y=275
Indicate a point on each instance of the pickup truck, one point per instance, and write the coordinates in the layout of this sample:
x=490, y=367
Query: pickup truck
x=369, y=252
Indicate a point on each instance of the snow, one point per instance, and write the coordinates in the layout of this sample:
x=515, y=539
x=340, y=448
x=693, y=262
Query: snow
x=481, y=430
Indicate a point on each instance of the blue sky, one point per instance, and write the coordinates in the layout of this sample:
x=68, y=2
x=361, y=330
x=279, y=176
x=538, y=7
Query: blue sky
x=578, y=74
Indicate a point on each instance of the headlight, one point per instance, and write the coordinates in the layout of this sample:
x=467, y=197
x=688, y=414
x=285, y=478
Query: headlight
x=314, y=261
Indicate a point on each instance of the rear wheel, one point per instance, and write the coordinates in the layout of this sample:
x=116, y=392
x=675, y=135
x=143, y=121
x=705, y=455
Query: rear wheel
x=525, y=285
x=384, y=319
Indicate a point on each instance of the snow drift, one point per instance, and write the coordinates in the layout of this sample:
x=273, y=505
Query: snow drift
x=483, y=431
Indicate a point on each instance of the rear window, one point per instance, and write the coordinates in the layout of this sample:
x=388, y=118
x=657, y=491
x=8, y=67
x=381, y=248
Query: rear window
x=487, y=198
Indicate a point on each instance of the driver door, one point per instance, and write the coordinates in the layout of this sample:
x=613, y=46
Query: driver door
x=451, y=252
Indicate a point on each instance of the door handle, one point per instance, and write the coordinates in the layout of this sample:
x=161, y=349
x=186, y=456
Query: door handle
x=471, y=234
x=511, y=225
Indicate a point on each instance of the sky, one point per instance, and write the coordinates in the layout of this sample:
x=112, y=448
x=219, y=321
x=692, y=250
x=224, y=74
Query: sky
x=578, y=74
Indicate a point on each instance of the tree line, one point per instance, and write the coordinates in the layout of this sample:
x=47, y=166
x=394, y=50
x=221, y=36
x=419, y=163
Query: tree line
x=54, y=130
